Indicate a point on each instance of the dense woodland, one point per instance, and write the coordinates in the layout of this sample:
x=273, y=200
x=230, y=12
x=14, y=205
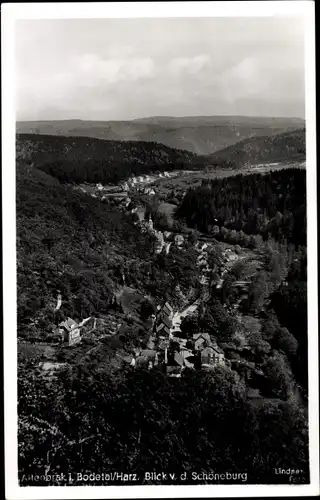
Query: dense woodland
x=201, y=422
x=84, y=159
x=71, y=242
x=272, y=205
x=285, y=147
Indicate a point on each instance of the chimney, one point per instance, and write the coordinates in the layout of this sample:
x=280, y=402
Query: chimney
x=166, y=355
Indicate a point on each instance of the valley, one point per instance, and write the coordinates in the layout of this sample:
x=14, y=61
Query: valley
x=159, y=285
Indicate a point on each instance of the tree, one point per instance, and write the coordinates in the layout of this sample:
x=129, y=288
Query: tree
x=193, y=238
x=278, y=375
x=135, y=217
x=190, y=424
x=257, y=293
x=284, y=341
x=228, y=291
x=290, y=305
x=146, y=309
x=216, y=321
x=189, y=326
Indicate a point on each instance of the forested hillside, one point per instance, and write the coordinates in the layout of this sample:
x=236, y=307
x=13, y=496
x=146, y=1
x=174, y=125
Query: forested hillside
x=284, y=147
x=83, y=159
x=71, y=242
x=271, y=205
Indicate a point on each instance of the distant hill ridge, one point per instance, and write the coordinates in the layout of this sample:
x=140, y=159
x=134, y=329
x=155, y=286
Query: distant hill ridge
x=198, y=134
x=286, y=147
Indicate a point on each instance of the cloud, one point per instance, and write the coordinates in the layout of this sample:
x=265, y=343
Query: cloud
x=244, y=79
x=92, y=70
x=122, y=68
x=190, y=65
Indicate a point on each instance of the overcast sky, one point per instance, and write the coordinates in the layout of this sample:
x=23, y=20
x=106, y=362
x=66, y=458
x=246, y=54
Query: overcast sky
x=118, y=69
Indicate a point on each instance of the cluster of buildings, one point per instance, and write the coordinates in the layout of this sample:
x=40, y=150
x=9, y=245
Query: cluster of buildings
x=120, y=194
x=139, y=183
x=174, y=353
x=69, y=332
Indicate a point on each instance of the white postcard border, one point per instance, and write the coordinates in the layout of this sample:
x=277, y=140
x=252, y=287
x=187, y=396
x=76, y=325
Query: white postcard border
x=12, y=12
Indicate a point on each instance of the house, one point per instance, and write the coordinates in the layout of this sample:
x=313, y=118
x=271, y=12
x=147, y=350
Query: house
x=70, y=331
x=211, y=355
x=167, y=310
x=201, y=340
x=164, y=326
x=164, y=320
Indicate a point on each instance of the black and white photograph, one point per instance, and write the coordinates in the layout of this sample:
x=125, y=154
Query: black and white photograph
x=161, y=200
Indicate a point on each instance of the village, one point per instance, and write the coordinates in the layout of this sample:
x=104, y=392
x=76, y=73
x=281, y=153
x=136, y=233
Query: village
x=143, y=184
x=167, y=346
